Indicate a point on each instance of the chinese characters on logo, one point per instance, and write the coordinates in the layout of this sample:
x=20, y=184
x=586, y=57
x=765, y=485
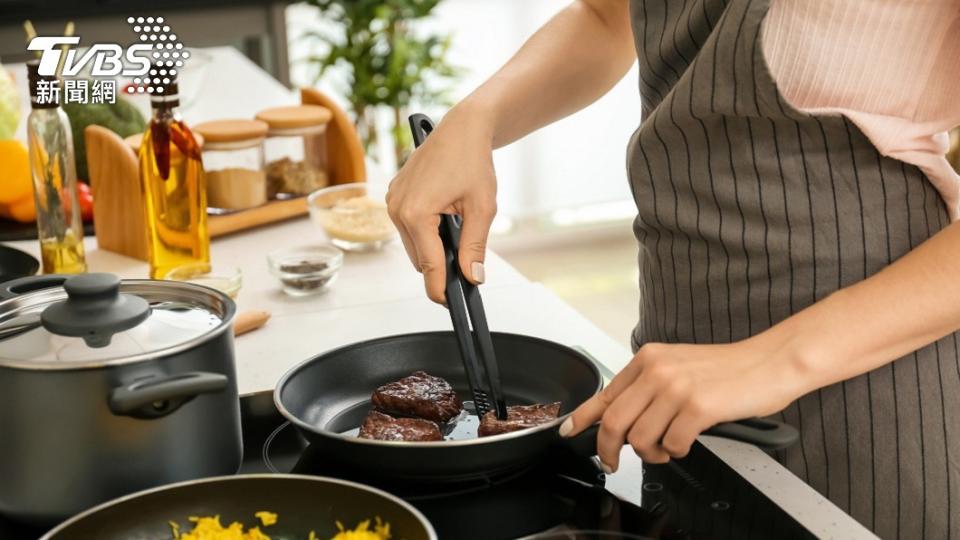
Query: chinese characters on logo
x=77, y=91
x=103, y=92
x=48, y=92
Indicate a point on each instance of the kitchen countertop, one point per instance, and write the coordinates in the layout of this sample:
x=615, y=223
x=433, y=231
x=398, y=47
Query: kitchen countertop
x=379, y=294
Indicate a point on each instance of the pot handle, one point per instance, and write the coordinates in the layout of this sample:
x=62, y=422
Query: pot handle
x=765, y=434
x=16, y=287
x=159, y=396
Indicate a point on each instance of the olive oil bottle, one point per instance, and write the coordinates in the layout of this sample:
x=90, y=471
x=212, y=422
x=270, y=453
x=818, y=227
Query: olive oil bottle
x=173, y=186
x=52, y=166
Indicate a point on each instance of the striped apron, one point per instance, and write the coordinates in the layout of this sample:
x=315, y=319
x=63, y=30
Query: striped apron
x=751, y=210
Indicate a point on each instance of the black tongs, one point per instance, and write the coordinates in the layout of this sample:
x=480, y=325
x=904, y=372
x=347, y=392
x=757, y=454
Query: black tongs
x=466, y=308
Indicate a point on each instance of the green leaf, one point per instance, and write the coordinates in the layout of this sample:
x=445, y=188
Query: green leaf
x=387, y=60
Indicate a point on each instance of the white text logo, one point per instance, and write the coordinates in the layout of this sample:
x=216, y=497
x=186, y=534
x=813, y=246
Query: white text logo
x=106, y=57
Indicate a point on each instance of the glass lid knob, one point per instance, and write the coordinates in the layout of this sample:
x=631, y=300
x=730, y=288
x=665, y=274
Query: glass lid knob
x=94, y=310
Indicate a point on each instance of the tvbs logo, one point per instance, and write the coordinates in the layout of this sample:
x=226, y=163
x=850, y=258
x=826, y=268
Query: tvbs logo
x=159, y=45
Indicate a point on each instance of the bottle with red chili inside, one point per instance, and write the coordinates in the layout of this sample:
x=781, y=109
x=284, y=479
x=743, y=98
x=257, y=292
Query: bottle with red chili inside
x=172, y=181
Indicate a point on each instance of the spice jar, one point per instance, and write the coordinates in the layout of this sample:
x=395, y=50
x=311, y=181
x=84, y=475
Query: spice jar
x=234, y=163
x=296, y=149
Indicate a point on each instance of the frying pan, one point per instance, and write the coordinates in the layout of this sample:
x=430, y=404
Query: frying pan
x=16, y=264
x=302, y=503
x=327, y=397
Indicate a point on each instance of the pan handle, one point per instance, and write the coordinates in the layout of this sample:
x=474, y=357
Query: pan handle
x=23, y=285
x=765, y=434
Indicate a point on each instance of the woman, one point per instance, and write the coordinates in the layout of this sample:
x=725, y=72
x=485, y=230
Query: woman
x=796, y=251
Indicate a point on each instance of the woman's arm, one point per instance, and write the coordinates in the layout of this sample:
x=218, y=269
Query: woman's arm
x=909, y=304
x=573, y=60
x=671, y=393
x=576, y=58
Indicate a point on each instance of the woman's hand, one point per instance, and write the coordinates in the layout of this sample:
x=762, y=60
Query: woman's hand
x=451, y=173
x=669, y=394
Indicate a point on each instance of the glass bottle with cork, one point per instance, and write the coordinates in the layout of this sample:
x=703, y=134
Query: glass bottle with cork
x=172, y=182
x=50, y=143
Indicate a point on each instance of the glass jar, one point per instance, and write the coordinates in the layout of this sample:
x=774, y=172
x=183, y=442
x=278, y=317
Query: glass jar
x=296, y=149
x=234, y=162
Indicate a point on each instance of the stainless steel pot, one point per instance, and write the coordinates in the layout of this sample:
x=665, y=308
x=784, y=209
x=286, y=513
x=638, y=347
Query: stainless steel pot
x=110, y=387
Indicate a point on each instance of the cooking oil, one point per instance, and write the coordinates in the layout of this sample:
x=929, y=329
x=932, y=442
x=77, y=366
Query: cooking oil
x=63, y=255
x=174, y=189
x=59, y=227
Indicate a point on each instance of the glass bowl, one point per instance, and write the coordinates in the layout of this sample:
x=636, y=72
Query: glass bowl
x=305, y=270
x=354, y=216
x=226, y=279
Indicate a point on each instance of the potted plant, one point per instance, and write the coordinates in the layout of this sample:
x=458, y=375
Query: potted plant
x=388, y=63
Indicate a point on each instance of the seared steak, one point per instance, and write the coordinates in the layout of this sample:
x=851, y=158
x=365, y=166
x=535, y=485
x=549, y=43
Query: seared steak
x=420, y=395
x=518, y=417
x=383, y=427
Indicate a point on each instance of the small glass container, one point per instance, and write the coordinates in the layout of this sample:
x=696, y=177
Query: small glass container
x=295, y=149
x=354, y=216
x=234, y=162
x=306, y=270
x=226, y=279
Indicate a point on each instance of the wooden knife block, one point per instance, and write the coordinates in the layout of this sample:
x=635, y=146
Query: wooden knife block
x=118, y=201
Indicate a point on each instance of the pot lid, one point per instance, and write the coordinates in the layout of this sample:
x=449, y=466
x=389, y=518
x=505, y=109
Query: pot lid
x=231, y=131
x=95, y=320
x=295, y=117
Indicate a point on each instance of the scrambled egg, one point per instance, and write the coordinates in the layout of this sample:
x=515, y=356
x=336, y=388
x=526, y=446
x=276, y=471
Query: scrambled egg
x=266, y=518
x=381, y=531
x=210, y=528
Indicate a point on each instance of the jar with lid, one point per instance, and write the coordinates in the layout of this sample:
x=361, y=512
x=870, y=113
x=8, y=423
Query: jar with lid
x=234, y=162
x=295, y=149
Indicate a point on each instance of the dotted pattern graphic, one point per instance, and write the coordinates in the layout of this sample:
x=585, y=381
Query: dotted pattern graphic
x=168, y=54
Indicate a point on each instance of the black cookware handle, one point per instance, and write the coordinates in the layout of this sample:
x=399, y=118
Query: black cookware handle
x=159, y=396
x=765, y=434
x=420, y=127
x=16, y=287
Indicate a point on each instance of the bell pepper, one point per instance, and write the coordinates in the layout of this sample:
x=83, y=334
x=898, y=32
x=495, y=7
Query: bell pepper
x=85, y=198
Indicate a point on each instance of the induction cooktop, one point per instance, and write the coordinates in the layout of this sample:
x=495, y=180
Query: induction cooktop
x=562, y=496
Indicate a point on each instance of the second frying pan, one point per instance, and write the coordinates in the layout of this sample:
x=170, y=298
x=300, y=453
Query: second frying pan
x=327, y=397
x=302, y=503
x=16, y=264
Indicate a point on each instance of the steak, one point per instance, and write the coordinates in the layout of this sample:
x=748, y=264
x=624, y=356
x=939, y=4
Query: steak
x=383, y=427
x=420, y=395
x=518, y=417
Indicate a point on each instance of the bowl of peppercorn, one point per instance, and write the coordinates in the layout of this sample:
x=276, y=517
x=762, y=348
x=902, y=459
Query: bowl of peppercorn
x=305, y=270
